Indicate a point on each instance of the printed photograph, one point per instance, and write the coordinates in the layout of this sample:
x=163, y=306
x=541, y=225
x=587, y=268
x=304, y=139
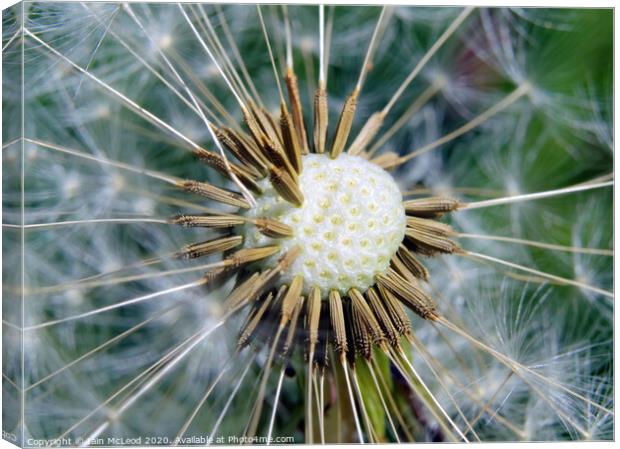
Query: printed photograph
x=240, y=223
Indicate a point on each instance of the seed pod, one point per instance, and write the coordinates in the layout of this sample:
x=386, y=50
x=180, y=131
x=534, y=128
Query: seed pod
x=383, y=317
x=433, y=207
x=367, y=133
x=207, y=221
x=313, y=316
x=217, y=245
x=244, y=291
x=293, y=329
x=410, y=294
x=273, y=228
x=395, y=310
x=336, y=314
x=361, y=307
x=386, y=160
x=215, y=193
x=321, y=116
x=289, y=139
x=247, y=255
x=285, y=186
x=414, y=266
x=291, y=298
x=344, y=125
x=296, y=109
x=254, y=319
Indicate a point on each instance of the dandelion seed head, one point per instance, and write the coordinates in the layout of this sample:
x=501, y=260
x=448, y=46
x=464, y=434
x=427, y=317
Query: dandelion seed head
x=349, y=226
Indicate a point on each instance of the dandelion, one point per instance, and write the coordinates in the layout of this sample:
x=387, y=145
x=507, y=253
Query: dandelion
x=314, y=224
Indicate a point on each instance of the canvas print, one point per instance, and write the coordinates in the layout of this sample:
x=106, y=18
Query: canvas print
x=230, y=224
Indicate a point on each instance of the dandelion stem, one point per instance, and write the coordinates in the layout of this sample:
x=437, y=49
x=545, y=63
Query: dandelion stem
x=417, y=344
x=103, y=346
x=130, y=104
x=322, y=406
x=385, y=407
x=99, y=42
x=430, y=394
x=516, y=366
x=394, y=358
x=519, y=92
x=358, y=427
x=537, y=195
x=231, y=397
x=90, y=221
x=309, y=413
x=156, y=378
x=192, y=416
x=570, y=249
x=358, y=392
x=273, y=61
x=322, y=67
x=379, y=27
x=136, y=379
x=258, y=405
x=288, y=36
x=211, y=56
x=558, y=279
x=429, y=54
x=424, y=97
x=328, y=39
x=246, y=193
x=272, y=420
x=392, y=402
x=150, y=173
x=139, y=277
x=236, y=54
x=17, y=33
x=117, y=305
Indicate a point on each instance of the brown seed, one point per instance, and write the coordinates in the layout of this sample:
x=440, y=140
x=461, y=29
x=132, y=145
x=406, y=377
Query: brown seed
x=367, y=133
x=215, y=193
x=386, y=160
x=296, y=109
x=430, y=244
x=243, y=291
x=361, y=306
x=293, y=329
x=217, y=245
x=337, y=323
x=383, y=317
x=273, y=228
x=412, y=263
x=225, y=138
x=242, y=151
x=286, y=187
x=321, y=116
x=291, y=299
x=247, y=255
x=289, y=138
x=395, y=310
x=410, y=293
x=433, y=207
x=313, y=317
x=207, y=221
x=344, y=125
x=216, y=161
x=398, y=266
x=276, y=156
x=254, y=319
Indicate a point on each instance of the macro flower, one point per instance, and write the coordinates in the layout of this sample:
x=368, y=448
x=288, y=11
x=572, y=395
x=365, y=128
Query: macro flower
x=306, y=223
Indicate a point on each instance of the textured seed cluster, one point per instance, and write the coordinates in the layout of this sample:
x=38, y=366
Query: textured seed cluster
x=349, y=226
